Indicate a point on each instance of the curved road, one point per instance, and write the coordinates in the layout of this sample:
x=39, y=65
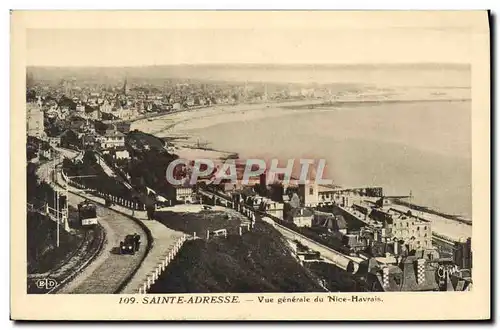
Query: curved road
x=109, y=270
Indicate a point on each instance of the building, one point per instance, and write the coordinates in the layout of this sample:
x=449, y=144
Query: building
x=90, y=140
x=54, y=141
x=121, y=153
x=112, y=138
x=462, y=255
x=125, y=88
x=80, y=108
x=123, y=127
x=272, y=207
x=409, y=274
x=354, y=242
x=46, y=151
x=397, y=226
x=182, y=194
x=331, y=222
x=69, y=139
x=77, y=124
x=308, y=194
x=34, y=120
x=301, y=217
x=327, y=196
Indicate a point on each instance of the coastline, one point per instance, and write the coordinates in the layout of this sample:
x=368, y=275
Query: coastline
x=263, y=109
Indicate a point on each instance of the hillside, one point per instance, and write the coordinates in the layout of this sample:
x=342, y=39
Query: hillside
x=258, y=261
x=42, y=253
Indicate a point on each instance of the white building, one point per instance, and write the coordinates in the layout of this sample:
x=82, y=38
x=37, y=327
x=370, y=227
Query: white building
x=308, y=194
x=34, y=121
x=122, y=153
x=112, y=139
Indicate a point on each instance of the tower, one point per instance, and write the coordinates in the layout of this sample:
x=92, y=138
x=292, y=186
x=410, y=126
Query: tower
x=308, y=194
x=125, y=87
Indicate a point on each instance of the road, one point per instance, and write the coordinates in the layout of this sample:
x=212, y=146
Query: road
x=109, y=270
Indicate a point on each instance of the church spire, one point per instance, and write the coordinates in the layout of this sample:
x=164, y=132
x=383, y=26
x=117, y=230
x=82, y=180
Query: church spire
x=124, y=89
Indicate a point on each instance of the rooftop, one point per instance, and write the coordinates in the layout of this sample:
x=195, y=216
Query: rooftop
x=113, y=133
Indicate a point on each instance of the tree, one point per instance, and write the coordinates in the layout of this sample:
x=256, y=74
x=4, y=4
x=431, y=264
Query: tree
x=295, y=201
x=89, y=157
x=30, y=95
x=70, y=139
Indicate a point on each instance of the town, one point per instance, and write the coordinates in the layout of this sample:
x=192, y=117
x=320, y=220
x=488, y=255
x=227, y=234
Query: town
x=80, y=136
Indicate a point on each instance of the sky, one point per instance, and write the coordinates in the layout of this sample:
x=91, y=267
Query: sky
x=340, y=43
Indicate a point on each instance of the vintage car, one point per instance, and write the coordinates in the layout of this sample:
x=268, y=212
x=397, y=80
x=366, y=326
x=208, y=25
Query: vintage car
x=130, y=244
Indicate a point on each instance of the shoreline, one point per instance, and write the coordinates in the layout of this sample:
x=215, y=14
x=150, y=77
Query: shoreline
x=285, y=107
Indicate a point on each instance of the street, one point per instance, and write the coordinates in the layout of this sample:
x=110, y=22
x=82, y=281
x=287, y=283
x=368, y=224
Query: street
x=108, y=270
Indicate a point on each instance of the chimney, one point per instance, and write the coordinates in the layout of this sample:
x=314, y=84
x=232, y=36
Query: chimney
x=385, y=277
x=420, y=271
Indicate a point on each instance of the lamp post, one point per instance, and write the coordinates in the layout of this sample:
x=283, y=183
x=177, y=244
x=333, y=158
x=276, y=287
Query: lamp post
x=58, y=212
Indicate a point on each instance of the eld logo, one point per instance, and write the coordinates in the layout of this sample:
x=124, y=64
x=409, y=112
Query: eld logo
x=46, y=283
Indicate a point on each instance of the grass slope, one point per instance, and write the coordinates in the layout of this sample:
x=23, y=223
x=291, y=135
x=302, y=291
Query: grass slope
x=43, y=254
x=258, y=261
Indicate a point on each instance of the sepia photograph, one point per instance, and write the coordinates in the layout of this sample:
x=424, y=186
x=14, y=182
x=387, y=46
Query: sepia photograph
x=219, y=163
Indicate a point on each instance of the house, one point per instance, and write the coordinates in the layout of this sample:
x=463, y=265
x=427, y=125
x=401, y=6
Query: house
x=272, y=207
x=47, y=153
x=123, y=127
x=182, y=193
x=301, y=217
x=176, y=106
x=77, y=124
x=106, y=106
x=54, y=141
x=330, y=222
x=90, y=140
x=121, y=153
x=91, y=112
x=112, y=139
x=80, y=108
